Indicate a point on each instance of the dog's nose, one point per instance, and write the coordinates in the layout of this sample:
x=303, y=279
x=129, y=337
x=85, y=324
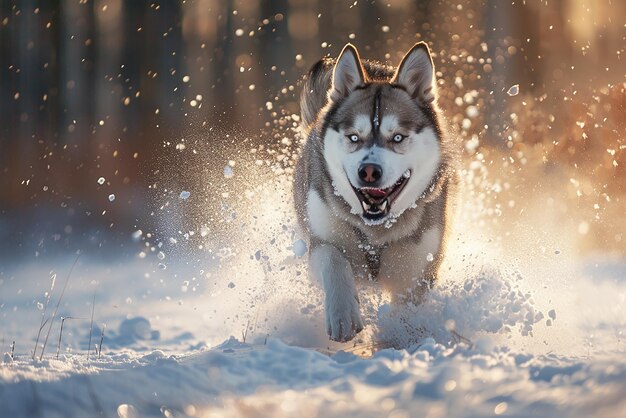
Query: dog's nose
x=370, y=173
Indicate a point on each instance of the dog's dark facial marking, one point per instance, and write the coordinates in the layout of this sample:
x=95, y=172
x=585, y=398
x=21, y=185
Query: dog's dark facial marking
x=376, y=113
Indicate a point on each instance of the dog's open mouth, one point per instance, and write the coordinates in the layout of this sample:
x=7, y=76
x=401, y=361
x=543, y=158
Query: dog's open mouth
x=377, y=202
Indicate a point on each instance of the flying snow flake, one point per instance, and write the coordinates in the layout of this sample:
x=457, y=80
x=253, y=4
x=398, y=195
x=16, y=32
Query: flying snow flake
x=501, y=408
x=299, y=248
x=385, y=29
x=137, y=235
x=429, y=257
x=513, y=90
x=450, y=325
x=472, y=144
x=450, y=385
x=111, y=197
x=127, y=411
x=471, y=112
x=161, y=255
x=231, y=285
x=184, y=195
x=228, y=172
x=101, y=181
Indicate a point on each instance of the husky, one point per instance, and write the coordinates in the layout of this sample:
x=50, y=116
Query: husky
x=374, y=182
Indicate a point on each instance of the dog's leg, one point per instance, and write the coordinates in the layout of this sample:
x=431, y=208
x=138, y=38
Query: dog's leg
x=408, y=268
x=333, y=271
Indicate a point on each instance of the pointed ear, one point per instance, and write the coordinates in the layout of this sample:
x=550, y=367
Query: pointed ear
x=347, y=74
x=416, y=74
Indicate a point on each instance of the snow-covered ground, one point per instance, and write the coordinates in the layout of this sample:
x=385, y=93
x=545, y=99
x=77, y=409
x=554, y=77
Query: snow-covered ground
x=275, y=379
x=537, y=338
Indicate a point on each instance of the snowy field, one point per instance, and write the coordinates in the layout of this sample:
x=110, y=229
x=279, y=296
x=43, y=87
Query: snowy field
x=542, y=338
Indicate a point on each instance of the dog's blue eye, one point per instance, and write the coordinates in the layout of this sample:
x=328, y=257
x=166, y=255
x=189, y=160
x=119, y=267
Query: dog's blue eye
x=353, y=138
x=398, y=138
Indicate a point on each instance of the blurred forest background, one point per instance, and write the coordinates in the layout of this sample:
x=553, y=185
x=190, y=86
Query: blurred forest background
x=106, y=88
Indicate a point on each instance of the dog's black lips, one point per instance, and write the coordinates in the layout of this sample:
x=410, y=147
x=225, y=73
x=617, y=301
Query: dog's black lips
x=376, y=202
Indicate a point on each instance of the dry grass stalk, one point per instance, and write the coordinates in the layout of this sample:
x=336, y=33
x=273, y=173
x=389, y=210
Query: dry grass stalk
x=56, y=309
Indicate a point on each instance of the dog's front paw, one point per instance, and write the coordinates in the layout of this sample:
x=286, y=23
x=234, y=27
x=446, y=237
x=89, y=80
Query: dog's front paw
x=343, y=318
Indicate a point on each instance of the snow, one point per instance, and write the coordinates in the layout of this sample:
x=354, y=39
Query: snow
x=476, y=347
x=275, y=379
x=299, y=248
x=513, y=90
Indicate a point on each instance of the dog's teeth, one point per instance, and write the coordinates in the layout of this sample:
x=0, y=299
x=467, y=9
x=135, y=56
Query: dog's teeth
x=407, y=174
x=383, y=205
x=366, y=207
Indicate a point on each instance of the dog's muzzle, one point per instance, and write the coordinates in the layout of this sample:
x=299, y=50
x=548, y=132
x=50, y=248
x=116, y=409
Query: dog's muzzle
x=376, y=202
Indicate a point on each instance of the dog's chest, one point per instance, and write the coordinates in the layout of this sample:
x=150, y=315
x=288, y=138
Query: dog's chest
x=371, y=255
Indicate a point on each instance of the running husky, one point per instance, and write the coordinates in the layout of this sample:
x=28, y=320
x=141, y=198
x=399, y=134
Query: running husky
x=373, y=184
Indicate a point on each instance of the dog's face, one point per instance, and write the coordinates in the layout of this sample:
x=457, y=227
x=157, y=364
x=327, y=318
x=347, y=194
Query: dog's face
x=381, y=144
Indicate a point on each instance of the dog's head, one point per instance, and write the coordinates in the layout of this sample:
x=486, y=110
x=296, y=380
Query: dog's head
x=381, y=136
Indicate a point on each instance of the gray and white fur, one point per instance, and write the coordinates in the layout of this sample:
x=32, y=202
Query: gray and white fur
x=374, y=180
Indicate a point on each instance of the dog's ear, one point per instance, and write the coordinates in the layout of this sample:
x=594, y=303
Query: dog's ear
x=347, y=74
x=416, y=74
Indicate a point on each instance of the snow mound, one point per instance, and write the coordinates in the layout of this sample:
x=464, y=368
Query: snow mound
x=492, y=301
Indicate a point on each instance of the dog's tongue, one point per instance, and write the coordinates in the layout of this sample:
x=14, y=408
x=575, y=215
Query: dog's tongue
x=374, y=192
